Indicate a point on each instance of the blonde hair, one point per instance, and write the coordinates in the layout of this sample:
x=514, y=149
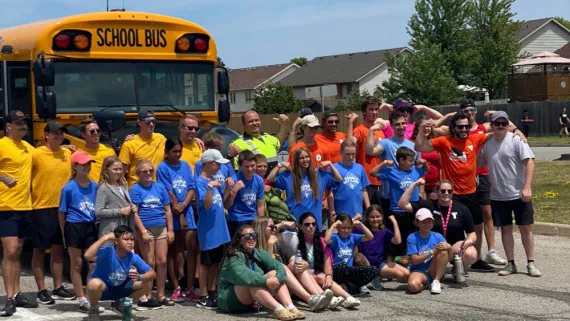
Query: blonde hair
x=104, y=177
x=143, y=162
x=298, y=175
x=259, y=225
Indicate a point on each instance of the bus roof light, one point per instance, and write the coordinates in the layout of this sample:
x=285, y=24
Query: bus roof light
x=62, y=41
x=183, y=44
x=200, y=44
x=81, y=42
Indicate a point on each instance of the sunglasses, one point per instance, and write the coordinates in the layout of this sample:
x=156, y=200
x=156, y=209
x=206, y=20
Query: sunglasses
x=345, y=228
x=469, y=110
x=191, y=128
x=249, y=236
x=445, y=191
x=149, y=121
x=332, y=122
x=406, y=110
x=95, y=131
x=310, y=224
x=147, y=172
x=501, y=123
x=462, y=126
x=272, y=227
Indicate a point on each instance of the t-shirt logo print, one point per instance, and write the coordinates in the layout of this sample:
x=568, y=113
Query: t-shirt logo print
x=351, y=180
x=248, y=197
x=306, y=190
x=405, y=183
x=118, y=277
x=220, y=177
x=217, y=199
x=86, y=205
x=179, y=184
x=152, y=201
x=457, y=156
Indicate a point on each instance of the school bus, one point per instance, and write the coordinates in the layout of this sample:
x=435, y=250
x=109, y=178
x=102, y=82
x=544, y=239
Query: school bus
x=110, y=65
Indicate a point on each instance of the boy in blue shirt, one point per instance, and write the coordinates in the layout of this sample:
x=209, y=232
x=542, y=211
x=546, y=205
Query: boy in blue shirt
x=246, y=199
x=401, y=177
x=119, y=273
x=429, y=254
x=226, y=172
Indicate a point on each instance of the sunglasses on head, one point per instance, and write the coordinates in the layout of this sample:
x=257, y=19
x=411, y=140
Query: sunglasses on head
x=191, y=128
x=147, y=171
x=501, y=123
x=332, y=121
x=149, y=121
x=445, y=191
x=469, y=110
x=95, y=131
x=249, y=236
x=462, y=126
x=310, y=224
x=406, y=110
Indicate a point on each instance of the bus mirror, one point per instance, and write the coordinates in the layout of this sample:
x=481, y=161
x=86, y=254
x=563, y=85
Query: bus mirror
x=7, y=50
x=44, y=72
x=223, y=111
x=110, y=120
x=45, y=103
x=223, y=82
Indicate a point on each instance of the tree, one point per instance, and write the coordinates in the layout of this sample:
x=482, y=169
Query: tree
x=424, y=76
x=353, y=101
x=301, y=61
x=221, y=63
x=496, y=46
x=275, y=98
x=564, y=22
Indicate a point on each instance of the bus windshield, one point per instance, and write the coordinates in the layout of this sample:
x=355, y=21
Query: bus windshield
x=87, y=87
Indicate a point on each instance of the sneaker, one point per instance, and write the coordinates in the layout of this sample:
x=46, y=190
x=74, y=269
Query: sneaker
x=482, y=266
x=377, y=284
x=435, y=287
x=336, y=302
x=9, y=308
x=93, y=315
x=206, y=303
x=350, y=303
x=192, y=296
x=508, y=270
x=533, y=270
x=23, y=302
x=62, y=293
x=298, y=314
x=465, y=273
x=117, y=306
x=329, y=295
x=177, y=295
x=151, y=304
x=494, y=258
x=84, y=306
x=44, y=298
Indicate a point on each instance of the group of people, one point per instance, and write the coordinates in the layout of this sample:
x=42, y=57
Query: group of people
x=394, y=199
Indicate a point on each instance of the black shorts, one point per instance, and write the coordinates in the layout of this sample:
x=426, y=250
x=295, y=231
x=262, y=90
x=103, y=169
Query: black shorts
x=484, y=190
x=16, y=224
x=385, y=205
x=407, y=226
x=374, y=195
x=473, y=204
x=80, y=235
x=503, y=212
x=45, y=229
x=212, y=256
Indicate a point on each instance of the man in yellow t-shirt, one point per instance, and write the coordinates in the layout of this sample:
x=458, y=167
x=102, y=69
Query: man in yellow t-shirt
x=15, y=205
x=51, y=170
x=145, y=145
x=191, y=147
x=98, y=152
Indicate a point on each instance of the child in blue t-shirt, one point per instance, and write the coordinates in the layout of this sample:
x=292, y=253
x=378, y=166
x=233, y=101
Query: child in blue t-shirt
x=399, y=179
x=225, y=174
x=77, y=210
x=342, y=247
x=119, y=273
x=429, y=254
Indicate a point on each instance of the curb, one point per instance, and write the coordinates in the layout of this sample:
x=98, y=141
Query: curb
x=550, y=229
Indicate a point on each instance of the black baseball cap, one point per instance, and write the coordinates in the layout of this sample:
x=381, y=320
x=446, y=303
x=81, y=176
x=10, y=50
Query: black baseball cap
x=464, y=103
x=54, y=126
x=328, y=113
x=305, y=112
x=15, y=115
x=144, y=114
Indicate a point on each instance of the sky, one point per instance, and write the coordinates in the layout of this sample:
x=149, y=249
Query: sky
x=262, y=32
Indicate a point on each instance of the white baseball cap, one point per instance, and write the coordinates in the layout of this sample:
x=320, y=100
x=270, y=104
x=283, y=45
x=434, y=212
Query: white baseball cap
x=310, y=121
x=213, y=155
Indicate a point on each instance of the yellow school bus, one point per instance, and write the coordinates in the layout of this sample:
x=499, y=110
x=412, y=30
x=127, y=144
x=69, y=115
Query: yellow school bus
x=110, y=65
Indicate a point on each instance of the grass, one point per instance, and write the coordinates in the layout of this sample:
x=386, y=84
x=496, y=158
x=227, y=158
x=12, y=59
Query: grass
x=544, y=140
x=551, y=192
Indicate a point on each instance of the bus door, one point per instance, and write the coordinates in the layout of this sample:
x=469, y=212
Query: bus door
x=19, y=87
x=3, y=91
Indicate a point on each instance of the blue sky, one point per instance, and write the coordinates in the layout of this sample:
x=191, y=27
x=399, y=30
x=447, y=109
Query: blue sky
x=261, y=32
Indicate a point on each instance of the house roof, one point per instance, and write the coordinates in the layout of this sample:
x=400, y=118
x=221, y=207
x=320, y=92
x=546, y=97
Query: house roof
x=531, y=26
x=564, y=51
x=252, y=77
x=336, y=69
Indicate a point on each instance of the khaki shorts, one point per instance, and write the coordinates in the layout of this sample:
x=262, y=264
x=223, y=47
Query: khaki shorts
x=157, y=233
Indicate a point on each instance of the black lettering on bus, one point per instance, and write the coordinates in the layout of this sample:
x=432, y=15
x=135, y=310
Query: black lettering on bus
x=162, y=34
x=123, y=37
x=101, y=37
x=116, y=37
x=147, y=38
x=108, y=37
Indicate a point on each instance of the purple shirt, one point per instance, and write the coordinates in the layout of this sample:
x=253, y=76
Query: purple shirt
x=375, y=249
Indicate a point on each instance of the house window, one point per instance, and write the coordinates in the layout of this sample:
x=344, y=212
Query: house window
x=249, y=96
x=232, y=98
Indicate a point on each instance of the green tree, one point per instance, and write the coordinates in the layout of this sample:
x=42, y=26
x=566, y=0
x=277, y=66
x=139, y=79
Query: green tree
x=301, y=61
x=496, y=46
x=563, y=21
x=352, y=103
x=221, y=63
x=275, y=98
x=424, y=76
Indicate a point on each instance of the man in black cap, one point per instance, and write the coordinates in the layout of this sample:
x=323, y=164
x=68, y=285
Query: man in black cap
x=15, y=206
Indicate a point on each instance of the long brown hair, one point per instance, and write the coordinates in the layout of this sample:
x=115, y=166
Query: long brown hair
x=104, y=177
x=259, y=225
x=417, y=127
x=298, y=175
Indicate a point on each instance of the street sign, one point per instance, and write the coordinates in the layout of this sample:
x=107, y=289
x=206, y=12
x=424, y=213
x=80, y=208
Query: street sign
x=315, y=92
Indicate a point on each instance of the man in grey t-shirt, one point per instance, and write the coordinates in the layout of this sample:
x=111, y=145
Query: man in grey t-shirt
x=511, y=167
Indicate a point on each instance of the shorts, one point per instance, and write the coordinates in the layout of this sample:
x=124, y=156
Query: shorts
x=16, y=224
x=503, y=212
x=374, y=194
x=233, y=226
x=407, y=226
x=80, y=235
x=381, y=265
x=426, y=273
x=483, y=190
x=228, y=302
x=157, y=233
x=326, y=219
x=112, y=293
x=471, y=201
x=385, y=205
x=213, y=256
x=45, y=229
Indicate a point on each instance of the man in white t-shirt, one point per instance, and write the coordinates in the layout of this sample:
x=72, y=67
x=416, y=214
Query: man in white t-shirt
x=511, y=168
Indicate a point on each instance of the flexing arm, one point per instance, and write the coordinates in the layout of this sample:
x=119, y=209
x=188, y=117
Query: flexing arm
x=374, y=171
x=373, y=149
x=422, y=143
x=351, y=121
x=404, y=202
x=431, y=113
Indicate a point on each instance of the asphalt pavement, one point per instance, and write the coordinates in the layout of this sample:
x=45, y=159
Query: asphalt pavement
x=549, y=153
x=485, y=296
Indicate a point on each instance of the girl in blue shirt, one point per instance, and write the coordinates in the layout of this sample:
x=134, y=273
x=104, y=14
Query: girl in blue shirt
x=154, y=224
x=304, y=186
x=176, y=176
x=77, y=220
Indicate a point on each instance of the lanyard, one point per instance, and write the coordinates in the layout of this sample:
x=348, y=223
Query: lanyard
x=444, y=222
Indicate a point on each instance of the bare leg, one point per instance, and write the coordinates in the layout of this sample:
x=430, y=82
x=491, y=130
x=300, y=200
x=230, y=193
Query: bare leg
x=203, y=279
x=147, y=250
x=191, y=256
x=488, y=226
x=479, y=242
x=213, y=273
x=335, y=288
x=508, y=241
x=57, y=265
x=296, y=287
x=160, y=253
x=9, y=263
x=438, y=264
x=18, y=270
x=76, y=258
x=38, y=267
x=527, y=238
x=417, y=282
x=95, y=289
x=246, y=295
x=393, y=270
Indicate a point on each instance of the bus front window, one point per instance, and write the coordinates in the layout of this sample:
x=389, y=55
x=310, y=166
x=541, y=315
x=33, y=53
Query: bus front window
x=86, y=87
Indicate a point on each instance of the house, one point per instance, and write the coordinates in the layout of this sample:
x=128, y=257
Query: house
x=539, y=35
x=244, y=82
x=564, y=52
x=363, y=69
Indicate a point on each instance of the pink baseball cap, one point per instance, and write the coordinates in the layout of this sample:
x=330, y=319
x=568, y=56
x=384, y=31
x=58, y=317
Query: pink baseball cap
x=81, y=157
x=423, y=214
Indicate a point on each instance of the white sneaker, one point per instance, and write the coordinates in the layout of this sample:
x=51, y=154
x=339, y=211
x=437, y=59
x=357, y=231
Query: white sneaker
x=435, y=287
x=350, y=303
x=508, y=270
x=533, y=270
x=494, y=258
x=336, y=302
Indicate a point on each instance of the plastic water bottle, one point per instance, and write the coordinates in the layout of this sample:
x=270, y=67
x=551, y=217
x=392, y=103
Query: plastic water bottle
x=133, y=269
x=458, y=269
x=298, y=257
x=127, y=309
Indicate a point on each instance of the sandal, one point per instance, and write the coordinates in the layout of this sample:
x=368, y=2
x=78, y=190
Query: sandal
x=167, y=302
x=284, y=315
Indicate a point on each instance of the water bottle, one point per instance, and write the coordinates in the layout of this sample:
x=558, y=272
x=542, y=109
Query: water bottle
x=458, y=269
x=127, y=309
x=298, y=258
x=133, y=269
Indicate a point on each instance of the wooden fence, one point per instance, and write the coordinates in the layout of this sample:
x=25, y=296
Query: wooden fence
x=545, y=115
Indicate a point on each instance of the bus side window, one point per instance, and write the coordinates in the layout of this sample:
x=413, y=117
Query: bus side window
x=2, y=88
x=20, y=94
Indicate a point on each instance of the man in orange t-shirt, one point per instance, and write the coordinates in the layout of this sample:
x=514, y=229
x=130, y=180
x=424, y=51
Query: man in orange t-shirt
x=370, y=108
x=310, y=126
x=330, y=138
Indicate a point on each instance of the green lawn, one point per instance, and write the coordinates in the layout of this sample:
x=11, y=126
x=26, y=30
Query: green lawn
x=551, y=192
x=548, y=140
